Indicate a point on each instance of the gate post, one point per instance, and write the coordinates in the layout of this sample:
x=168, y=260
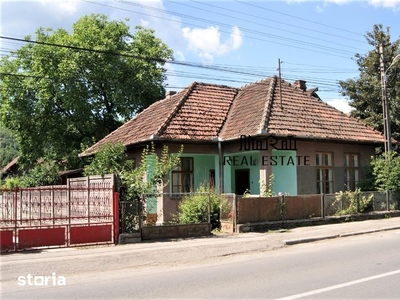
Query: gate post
x=16, y=240
x=116, y=216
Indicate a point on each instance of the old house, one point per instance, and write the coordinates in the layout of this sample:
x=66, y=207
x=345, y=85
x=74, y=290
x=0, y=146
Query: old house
x=235, y=138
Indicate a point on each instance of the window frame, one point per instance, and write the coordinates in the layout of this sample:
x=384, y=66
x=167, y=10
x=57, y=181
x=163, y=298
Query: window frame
x=351, y=181
x=324, y=186
x=181, y=172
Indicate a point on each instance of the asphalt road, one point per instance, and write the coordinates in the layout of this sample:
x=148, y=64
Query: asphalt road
x=358, y=267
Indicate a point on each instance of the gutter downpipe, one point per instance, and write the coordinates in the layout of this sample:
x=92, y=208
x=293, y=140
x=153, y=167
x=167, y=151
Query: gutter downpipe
x=221, y=167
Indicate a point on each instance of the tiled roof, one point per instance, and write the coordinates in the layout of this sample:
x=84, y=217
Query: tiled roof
x=9, y=165
x=303, y=114
x=201, y=115
x=203, y=112
x=196, y=113
x=249, y=110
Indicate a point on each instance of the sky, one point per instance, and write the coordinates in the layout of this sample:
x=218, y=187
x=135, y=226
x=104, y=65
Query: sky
x=244, y=40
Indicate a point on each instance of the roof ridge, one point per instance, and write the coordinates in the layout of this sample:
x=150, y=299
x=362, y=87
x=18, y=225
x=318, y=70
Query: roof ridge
x=177, y=107
x=268, y=104
x=228, y=112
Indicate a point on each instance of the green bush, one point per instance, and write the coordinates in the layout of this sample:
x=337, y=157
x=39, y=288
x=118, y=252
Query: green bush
x=45, y=173
x=353, y=202
x=386, y=169
x=194, y=209
x=112, y=159
x=11, y=183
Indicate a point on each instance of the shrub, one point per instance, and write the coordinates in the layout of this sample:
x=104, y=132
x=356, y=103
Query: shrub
x=352, y=202
x=112, y=159
x=266, y=189
x=194, y=208
x=11, y=183
x=386, y=170
x=45, y=173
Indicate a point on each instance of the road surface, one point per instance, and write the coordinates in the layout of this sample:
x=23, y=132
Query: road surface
x=359, y=267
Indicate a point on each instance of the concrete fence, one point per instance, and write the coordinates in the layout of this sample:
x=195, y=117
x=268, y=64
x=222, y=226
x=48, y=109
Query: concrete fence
x=261, y=209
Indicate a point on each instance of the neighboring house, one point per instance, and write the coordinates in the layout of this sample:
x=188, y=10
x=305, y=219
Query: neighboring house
x=14, y=169
x=236, y=138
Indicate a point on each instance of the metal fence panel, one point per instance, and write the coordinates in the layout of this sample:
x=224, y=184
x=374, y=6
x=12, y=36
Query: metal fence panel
x=83, y=205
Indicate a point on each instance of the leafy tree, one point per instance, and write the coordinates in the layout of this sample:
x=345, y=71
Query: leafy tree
x=44, y=173
x=386, y=171
x=365, y=92
x=8, y=147
x=367, y=183
x=56, y=98
x=112, y=159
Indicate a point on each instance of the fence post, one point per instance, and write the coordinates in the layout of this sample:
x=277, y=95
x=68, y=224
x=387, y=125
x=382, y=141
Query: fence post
x=141, y=202
x=209, y=210
x=322, y=205
x=52, y=204
x=234, y=217
x=387, y=201
x=373, y=201
x=358, y=202
x=88, y=199
x=15, y=219
x=116, y=215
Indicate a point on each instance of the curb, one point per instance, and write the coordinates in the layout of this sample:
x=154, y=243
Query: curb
x=327, y=237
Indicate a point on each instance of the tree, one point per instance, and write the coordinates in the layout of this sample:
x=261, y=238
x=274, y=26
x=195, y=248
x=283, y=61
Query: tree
x=71, y=89
x=365, y=92
x=112, y=159
x=8, y=147
x=42, y=174
x=386, y=171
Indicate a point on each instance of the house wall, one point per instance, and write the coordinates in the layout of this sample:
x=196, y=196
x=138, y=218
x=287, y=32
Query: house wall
x=202, y=165
x=285, y=175
x=301, y=177
x=239, y=161
x=307, y=174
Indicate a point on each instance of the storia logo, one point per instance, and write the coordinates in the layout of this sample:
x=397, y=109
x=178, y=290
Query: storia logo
x=52, y=280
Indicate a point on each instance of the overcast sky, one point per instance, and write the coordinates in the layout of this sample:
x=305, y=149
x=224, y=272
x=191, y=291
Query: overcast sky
x=316, y=40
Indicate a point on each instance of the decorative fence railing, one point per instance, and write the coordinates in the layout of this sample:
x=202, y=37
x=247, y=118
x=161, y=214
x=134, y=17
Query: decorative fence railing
x=85, y=211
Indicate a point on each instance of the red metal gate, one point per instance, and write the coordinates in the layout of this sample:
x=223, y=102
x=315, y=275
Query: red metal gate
x=84, y=212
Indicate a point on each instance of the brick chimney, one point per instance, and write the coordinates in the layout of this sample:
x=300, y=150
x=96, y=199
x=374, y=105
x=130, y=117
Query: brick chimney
x=301, y=84
x=169, y=93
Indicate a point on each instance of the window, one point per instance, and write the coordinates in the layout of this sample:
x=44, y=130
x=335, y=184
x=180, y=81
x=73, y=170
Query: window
x=182, y=176
x=351, y=171
x=324, y=162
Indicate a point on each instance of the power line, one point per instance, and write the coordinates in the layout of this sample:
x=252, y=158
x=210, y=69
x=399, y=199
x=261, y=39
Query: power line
x=206, y=67
x=275, y=21
x=296, y=17
x=188, y=64
x=295, y=41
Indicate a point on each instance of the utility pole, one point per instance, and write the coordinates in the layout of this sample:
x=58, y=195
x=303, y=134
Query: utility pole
x=280, y=81
x=385, y=103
